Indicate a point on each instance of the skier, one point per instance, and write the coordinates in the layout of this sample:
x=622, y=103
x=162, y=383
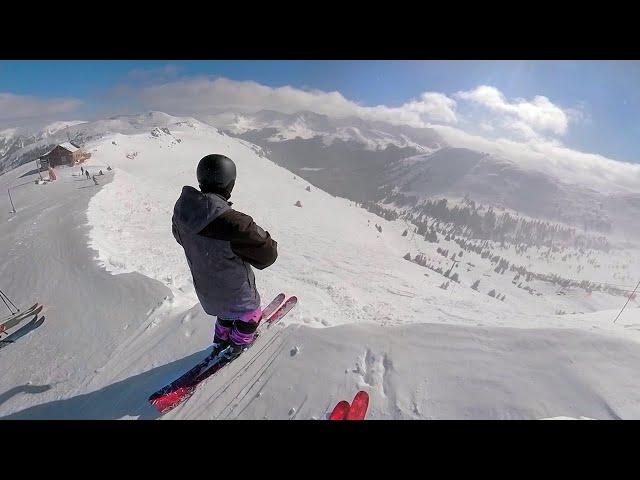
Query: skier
x=108, y=168
x=100, y=173
x=87, y=174
x=94, y=180
x=221, y=245
x=81, y=171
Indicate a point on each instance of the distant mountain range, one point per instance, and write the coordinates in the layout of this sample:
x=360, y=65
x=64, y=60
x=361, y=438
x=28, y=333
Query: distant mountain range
x=365, y=160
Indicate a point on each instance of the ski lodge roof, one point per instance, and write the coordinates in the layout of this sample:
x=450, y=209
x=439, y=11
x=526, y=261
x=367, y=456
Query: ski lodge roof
x=69, y=147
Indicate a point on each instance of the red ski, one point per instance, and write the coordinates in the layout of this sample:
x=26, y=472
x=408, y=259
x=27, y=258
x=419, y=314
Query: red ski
x=283, y=310
x=271, y=308
x=358, y=409
x=340, y=411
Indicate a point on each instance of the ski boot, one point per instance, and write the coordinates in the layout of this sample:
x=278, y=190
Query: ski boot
x=233, y=351
x=221, y=335
x=241, y=338
x=218, y=347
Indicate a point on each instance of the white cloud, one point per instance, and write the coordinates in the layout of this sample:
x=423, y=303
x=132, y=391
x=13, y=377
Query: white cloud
x=20, y=107
x=519, y=129
x=539, y=114
x=487, y=127
x=204, y=95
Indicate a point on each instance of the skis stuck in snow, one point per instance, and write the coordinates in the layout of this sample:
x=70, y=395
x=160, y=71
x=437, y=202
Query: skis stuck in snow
x=181, y=389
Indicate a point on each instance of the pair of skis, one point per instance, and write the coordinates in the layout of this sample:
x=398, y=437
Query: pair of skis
x=17, y=318
x=357, y=410
x=181, y=389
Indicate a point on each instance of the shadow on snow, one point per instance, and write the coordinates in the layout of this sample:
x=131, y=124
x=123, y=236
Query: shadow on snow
x=124, y=398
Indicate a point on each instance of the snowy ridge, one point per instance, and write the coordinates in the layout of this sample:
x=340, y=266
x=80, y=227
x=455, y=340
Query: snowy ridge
x=57, y=126
x=307, y=125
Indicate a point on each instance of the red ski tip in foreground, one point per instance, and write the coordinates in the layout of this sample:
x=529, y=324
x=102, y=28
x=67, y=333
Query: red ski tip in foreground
x=356, y=411
x=340, y=411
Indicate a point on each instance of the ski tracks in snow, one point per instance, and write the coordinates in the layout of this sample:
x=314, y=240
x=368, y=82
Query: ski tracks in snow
x=235, y=389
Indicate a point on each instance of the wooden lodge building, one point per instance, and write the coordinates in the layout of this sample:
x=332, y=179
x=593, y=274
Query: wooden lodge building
x=63, y=154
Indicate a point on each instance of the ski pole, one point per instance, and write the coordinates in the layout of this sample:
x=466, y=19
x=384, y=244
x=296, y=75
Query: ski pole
x=4, y=295
x=7, y=297
x=5, y=302
x=628, y=299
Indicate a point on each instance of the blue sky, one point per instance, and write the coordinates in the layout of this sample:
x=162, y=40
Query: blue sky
x=604, y=93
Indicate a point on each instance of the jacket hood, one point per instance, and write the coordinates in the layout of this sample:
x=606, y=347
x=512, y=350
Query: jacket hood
x=195, y=210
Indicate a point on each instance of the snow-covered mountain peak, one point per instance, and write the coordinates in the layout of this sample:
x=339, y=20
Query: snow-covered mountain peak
x=57, y=126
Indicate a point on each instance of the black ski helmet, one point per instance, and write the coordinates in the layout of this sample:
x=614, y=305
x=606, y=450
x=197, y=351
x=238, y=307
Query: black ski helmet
x=216, y=174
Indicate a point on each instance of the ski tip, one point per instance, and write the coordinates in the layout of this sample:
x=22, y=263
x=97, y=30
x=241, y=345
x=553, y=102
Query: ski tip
x=279, y=298
x=361, y=396
x=340, y=411
x=359, y=406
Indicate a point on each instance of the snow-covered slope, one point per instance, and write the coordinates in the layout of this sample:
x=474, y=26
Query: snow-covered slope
x=328, y=247
x=459, y=172
x=110, y=340
x=55, y=127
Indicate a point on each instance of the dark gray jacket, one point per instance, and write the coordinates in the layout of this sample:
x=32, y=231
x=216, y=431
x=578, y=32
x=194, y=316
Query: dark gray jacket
x=221, y=244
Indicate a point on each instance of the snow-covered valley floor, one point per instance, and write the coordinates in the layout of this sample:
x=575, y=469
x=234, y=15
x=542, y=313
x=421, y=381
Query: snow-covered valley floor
x=122, y=318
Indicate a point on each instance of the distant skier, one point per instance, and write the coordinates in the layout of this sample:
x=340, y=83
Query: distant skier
x=108, y=168
x=87, y=174
x=94, y=180
x=221, y=244
x=100, y=173
x=81, y=171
